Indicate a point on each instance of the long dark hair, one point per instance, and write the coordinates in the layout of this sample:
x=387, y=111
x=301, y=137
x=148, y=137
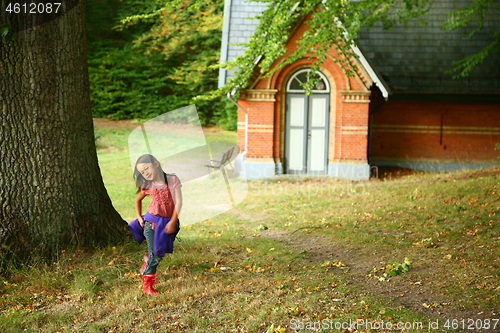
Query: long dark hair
x=140, y=181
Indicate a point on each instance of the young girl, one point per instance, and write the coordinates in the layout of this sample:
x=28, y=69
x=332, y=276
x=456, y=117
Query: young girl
x=160, y=224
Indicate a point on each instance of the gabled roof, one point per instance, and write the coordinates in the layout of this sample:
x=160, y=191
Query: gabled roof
x=238, y=28
x=409, y=60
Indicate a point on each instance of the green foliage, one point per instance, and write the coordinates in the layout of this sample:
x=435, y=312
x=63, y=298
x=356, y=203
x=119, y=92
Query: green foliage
x=336, y=23
x=426, y=242
x=141, y=66
x=497, y=147
x=6, y=33
x=466, y=64
x=472, y=15
x=395, y=268
x=226, y=114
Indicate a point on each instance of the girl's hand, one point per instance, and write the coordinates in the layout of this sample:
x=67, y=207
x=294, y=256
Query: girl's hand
x=171, y=227
x=141, y=221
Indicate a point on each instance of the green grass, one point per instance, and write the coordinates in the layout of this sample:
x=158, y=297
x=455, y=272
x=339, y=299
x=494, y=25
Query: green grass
x=446, y=223
x=223, y=277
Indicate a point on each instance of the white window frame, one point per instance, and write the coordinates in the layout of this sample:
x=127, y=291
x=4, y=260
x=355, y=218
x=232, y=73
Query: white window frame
x=307, y=70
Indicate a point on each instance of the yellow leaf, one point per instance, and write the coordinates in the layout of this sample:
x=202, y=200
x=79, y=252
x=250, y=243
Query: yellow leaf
x=250, y=250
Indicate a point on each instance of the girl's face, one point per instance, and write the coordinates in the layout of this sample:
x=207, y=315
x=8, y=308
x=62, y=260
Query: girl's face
x=148, y=170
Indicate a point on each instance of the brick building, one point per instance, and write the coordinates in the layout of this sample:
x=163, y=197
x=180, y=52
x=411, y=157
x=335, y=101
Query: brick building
x=400, y=109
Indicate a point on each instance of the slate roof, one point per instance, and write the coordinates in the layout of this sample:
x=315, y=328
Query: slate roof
x=415, y=59
x=410, y=60
x=238, y=27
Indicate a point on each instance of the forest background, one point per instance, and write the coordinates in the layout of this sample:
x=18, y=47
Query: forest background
x=147, y=67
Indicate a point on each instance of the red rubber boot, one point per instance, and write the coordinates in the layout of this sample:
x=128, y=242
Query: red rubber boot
x=145, y=259
x=148, y=281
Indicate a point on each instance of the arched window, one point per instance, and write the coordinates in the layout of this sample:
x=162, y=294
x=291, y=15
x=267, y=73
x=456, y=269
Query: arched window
x=300, y=76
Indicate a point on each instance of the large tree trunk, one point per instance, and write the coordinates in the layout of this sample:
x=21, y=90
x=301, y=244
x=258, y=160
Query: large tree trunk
x=51, y=189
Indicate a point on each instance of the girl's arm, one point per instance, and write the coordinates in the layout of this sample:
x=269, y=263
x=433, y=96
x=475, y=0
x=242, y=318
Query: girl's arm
x=172, y=224
x=178, y=199
x=138, y=207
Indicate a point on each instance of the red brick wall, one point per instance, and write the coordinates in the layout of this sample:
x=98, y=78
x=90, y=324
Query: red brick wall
x=411, y=130
x=260, y=137
x=267, y=145
x=354, y=146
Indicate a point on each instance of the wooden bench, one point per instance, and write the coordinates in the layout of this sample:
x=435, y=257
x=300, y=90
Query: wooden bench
x=220, y=162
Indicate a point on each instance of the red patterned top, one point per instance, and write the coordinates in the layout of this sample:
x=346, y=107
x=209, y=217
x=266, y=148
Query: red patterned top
x=163, y=196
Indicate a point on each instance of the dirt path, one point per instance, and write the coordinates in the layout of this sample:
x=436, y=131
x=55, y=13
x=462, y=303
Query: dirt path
x=418, y=297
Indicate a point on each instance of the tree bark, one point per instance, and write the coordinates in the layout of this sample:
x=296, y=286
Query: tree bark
x=51, y=190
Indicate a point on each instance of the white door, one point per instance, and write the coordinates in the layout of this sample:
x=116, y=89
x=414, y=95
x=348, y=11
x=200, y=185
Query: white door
x=317, y=148
x=306, y=124
x=296, y=134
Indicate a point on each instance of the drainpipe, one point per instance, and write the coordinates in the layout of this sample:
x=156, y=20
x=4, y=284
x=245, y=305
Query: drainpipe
x=370, y=123
x=246, y=124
